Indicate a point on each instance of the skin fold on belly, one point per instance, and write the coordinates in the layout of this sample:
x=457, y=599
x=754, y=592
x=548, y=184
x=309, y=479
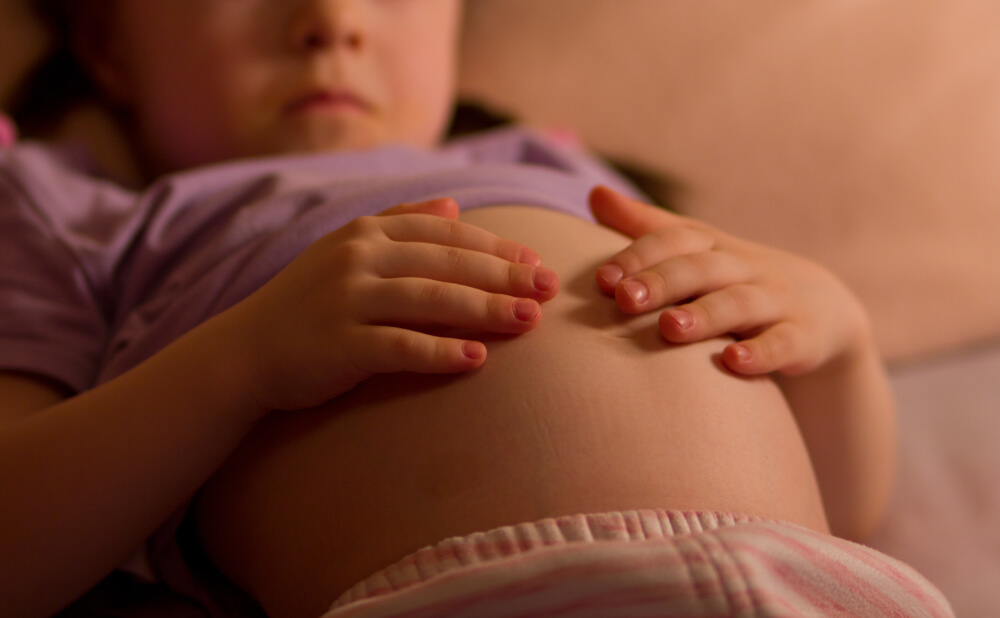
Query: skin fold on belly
x=592, y=411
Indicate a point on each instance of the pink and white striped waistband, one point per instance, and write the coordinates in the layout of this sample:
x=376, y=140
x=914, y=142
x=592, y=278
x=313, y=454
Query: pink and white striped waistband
x=645, y=563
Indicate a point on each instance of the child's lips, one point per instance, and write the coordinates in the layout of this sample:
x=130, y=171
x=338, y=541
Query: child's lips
x=324, y=100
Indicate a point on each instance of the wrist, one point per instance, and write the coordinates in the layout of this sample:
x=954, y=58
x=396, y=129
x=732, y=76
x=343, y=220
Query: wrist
x=226, y=366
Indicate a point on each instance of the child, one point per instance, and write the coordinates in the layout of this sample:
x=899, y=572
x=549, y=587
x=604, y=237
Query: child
x=146, y=337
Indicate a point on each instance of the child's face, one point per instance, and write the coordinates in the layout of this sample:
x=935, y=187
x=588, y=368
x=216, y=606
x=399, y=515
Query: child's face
x=210, y=80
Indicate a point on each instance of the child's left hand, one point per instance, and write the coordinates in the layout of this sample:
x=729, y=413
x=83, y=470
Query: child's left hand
x=787, y=313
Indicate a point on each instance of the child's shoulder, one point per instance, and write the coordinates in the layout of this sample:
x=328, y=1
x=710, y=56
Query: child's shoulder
x=57, y=190
x=56, y=162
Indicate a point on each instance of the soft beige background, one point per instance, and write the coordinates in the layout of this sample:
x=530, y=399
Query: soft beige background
x=863, y=133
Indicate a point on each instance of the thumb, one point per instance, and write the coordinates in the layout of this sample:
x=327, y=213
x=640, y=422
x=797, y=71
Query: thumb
x=441, y=207
x=626, y=215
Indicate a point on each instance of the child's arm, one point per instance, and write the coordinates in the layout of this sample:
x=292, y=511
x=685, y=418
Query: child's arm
x=792, y=317
x=85, y=480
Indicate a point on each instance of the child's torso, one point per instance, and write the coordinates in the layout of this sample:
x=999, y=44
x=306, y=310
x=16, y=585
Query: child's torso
x=590, y=412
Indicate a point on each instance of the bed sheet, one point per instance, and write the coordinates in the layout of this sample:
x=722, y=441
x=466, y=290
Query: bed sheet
x=944, y=517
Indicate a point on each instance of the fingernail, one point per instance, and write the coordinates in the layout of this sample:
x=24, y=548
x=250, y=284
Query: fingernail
x=743, y=353
x=440, y=201
x=637, y=291
x=610, y=274
x=544, y=279
x=527, y=256
x=682, y=318
x=473, y=350
x=525, y=310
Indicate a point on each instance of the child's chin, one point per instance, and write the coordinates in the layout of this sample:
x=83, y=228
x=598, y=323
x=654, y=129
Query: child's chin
x=333, y=134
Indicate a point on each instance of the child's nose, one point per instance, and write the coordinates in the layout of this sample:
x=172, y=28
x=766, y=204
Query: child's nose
x=320, y=25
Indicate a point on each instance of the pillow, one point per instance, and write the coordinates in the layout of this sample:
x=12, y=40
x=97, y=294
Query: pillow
x=865, y=135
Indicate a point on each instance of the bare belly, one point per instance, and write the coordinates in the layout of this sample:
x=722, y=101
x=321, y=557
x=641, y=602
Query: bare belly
x=590, y=412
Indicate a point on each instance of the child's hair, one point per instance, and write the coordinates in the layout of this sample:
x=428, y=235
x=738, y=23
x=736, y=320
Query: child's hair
x=473, y=117
x=60, y=83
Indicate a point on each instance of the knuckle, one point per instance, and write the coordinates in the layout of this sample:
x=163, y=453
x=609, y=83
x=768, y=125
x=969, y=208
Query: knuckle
x=369, y=345
x=705, y=312
x=500, y=310
x=395, y=210
x=364, y=226
x=455, y=257
x=742, y=300
x=404, y=344
x=433, y=292
x=780, y=345
x=507, y=249
x=782, y=287
x=688, y=236
x=353, y=253
x=764, y=351
x=657, y=282
x=687, y=271
x=454, y=231
x=712, y=268
x=348, y=295
x=701, y=264
x=629, y=260
x=497, y=306
x=516, y=274
x=702, y=235
x=442, y=350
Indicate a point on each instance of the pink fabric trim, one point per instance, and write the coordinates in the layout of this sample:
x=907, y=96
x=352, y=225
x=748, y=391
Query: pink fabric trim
x=641, y=563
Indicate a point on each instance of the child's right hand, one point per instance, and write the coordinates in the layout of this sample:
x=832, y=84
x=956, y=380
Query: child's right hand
x=354, y=304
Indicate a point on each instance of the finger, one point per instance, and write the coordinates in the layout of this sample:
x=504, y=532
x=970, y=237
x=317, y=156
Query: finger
x=451, y=233
x=739, y=309
x=651, y=249
x=676, y=279
x=629, y=216
x=782, y=347
x=389, y=349
x=439, y=207
x=424, y=302
x=469, y=268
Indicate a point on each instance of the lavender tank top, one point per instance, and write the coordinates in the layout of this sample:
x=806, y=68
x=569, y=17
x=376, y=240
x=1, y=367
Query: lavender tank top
x=95, y=278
